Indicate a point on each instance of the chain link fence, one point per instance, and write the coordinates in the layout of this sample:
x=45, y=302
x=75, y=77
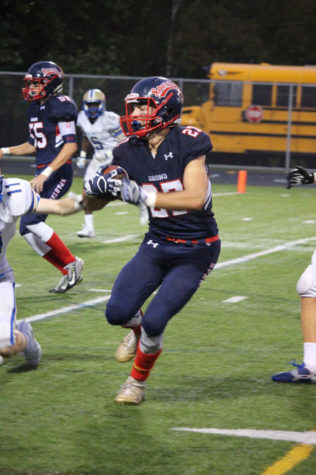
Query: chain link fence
x=14, y=129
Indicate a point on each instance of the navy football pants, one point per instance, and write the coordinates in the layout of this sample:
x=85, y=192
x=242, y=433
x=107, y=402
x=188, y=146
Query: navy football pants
x=178, y=269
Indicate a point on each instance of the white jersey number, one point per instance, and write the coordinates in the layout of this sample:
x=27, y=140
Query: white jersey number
x=97, y=145
x=166, y=186
x=37, y=134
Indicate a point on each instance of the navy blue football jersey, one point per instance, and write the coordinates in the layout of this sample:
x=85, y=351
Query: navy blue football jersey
x=44, y=133
x=164, y=172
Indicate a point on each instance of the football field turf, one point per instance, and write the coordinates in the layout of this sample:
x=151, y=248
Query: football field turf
x=214, y=373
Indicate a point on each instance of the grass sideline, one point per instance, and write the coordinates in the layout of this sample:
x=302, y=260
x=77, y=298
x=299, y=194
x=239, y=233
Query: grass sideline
x=214, y=371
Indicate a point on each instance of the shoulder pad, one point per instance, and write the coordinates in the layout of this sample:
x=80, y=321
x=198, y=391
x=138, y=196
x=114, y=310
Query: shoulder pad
x=64, y=109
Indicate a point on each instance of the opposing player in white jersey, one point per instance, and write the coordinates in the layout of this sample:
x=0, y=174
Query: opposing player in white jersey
x=101, y=129
x=306, y=289
x=18, y=199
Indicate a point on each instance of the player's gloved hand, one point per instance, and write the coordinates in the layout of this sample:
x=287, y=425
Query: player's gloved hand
x=104, y=184
x=131, y=192
x=299, y=176
x=80, y=162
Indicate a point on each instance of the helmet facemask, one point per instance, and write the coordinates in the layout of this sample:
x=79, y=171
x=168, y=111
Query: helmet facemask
x=34, y=89
x=150, y=120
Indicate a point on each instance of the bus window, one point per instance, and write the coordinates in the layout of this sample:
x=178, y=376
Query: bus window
x=261, y=94
x=228, y=94
x=283, y=96
x=308, y=96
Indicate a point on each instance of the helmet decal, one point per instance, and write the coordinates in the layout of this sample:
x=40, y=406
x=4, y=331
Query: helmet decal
x=49, y=71
x=162, y=89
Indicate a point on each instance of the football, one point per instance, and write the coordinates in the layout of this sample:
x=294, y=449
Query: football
x=110, y=168
x=119, y=176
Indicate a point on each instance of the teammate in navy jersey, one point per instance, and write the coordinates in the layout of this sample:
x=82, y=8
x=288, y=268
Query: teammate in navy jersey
x=167, y=171
x=52, y=137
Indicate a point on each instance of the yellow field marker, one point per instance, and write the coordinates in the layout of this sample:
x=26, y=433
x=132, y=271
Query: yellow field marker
x=292, y=458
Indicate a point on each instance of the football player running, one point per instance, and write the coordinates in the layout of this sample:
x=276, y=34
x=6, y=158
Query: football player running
x=101, y=129
x=52, y=137
x=306, y=289
x=166, y=165
x=18, y=199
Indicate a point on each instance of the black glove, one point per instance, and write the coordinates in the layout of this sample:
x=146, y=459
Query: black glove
x=299, y=176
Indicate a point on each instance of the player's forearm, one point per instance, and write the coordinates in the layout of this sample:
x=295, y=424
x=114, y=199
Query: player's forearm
x=23, y=149
x=64, y=155
x=181, y=200
x=63, y=207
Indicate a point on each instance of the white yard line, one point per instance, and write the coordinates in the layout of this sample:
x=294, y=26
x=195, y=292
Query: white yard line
x=249, y=257
x=69, y=308
x=229, y=193
x=121, y=239
x=235, y=299
x=221, y=265
x=289, y=436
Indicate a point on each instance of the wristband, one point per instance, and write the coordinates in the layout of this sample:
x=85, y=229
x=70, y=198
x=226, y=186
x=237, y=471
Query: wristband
x=150, y=199
x=83, y=154
x=47, y=172
x=6, y=150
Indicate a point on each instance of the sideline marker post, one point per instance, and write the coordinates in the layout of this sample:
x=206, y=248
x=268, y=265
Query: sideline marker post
x=242, y=181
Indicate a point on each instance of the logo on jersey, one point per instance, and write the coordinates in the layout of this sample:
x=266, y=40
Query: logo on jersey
x=168, y=155
x=152, y=243
x=162, y=89
x=162, y=176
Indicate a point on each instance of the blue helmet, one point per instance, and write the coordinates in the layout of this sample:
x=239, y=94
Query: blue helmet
x=164, y=102
x=93, y=103
x=1, y=187
x=42, y=79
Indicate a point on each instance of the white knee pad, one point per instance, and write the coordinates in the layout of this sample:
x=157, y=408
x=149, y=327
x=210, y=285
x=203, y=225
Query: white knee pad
x=306, y=285
x=42, y=230
x=36, y=244
x=150, y=344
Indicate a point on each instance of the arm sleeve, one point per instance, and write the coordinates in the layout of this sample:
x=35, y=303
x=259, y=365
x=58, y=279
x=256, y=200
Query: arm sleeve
x=196, y=146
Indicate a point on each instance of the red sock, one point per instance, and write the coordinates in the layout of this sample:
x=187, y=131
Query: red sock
x=51, y=260
x=59, y=253
x=143, y=363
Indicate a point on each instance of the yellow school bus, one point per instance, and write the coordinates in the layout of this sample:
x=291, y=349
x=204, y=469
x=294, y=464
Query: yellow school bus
x=255, y=108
